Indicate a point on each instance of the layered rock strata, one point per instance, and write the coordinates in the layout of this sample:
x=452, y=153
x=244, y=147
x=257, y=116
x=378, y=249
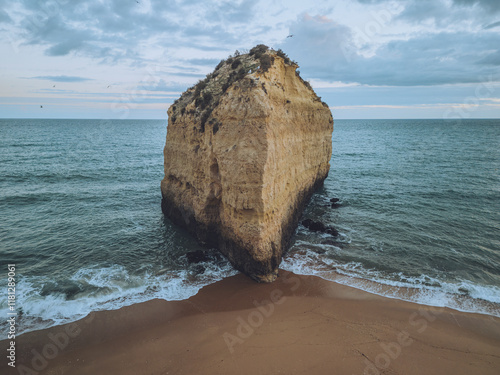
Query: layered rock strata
x=245, y=150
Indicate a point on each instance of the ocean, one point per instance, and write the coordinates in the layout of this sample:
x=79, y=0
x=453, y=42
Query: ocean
x=81, y=218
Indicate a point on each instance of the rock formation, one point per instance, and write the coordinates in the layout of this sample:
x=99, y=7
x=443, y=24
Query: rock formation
x=245, y=150
x=318, y=226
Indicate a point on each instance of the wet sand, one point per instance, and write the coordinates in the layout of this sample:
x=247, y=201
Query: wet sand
x=296, y=325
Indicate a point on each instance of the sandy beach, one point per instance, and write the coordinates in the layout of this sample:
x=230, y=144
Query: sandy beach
x=296, y=325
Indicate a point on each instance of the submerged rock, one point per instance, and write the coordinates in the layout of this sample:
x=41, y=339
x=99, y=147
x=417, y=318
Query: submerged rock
x=318, y=226
x=245, y=150
x=197, y=256
x=335, y=203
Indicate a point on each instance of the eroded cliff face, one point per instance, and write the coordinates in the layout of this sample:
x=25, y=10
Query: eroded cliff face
x=245, y=150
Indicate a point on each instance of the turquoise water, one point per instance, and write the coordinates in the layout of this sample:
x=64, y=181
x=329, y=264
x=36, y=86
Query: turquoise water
x=81, y=216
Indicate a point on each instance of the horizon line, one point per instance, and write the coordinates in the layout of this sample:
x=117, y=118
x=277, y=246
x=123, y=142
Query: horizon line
x=166, y=118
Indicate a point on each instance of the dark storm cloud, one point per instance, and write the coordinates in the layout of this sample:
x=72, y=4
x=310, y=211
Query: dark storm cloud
x=326, y=51
x=61, y=78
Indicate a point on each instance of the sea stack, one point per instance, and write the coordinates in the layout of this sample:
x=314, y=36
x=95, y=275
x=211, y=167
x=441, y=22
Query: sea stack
x=246, y=148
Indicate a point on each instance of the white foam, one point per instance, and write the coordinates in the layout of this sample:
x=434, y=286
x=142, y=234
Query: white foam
x=114, y=288
x=462, y=295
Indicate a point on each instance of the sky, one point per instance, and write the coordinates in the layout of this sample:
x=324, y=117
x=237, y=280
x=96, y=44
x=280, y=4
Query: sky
x=130, y=59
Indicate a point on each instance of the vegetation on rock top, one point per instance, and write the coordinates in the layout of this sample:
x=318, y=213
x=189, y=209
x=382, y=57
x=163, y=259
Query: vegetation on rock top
x=207, y=93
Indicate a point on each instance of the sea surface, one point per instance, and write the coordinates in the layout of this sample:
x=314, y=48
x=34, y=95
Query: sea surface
x=81, y=220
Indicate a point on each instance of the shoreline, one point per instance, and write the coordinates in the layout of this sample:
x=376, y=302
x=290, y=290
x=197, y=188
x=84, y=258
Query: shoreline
x=410, y=293
x=296, y=325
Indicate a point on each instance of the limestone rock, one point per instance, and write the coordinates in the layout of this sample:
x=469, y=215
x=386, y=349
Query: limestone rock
x=245, y=150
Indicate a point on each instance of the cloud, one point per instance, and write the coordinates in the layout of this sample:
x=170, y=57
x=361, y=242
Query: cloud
x=163, y=86
x=431, y=59
x=61, y=78
x=443, y=13
x=115, y=30
x=399, y=95
x=232, y=11
x=4, y=17
x=318, y=42
x=420, y=43
x=101, y=30
x=418, y=11
x=491, y=59
x=326, y=51
x=488, y=5
x=203, y=62
x=189, y=75
x=492, y=25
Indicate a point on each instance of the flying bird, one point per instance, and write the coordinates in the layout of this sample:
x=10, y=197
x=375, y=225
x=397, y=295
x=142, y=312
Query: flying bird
x=290, y=36
x=41, y=106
